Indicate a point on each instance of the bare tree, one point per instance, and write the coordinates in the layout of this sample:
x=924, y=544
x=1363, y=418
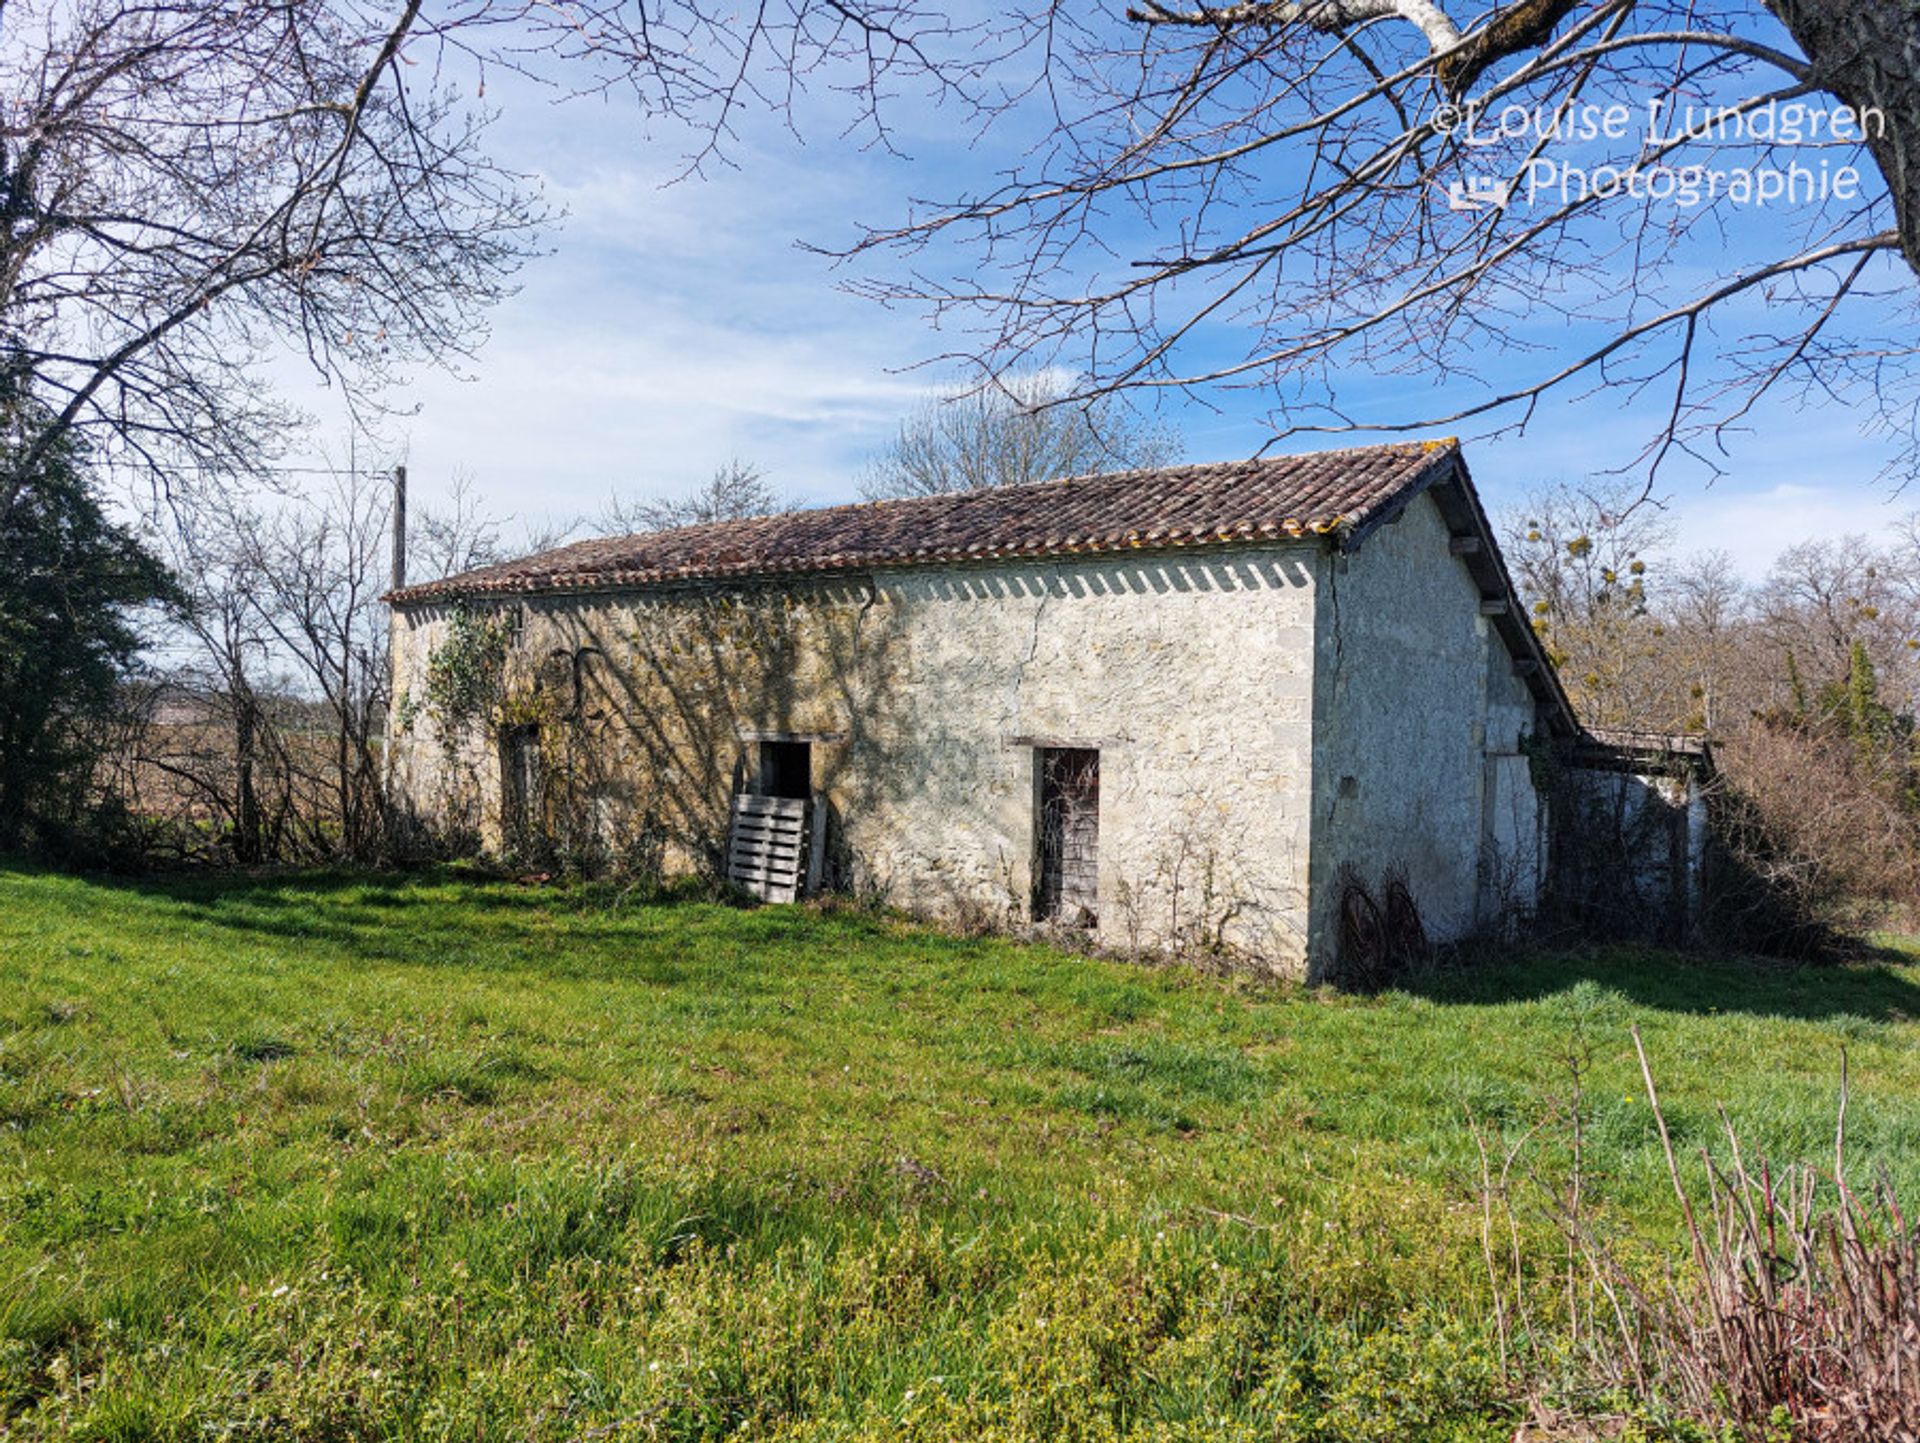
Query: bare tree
x=212, y=745
x=1805, y=683
x=185, y=187
x=276, y=683
x=461, y=535
x=1821, y=597
x=1684, y=644
x=1301, y=196
x=316, y=570
x=1009, y=432
x=1580, y=558
x=735, y=491
x=283, y=662
x=1704, y=611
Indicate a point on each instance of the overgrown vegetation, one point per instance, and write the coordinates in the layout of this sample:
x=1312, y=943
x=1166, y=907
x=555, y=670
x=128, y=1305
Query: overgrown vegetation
x=257, y=733
x=1806, y=684
x=338, y=1157
x=1793, y=1313
x=464, y=671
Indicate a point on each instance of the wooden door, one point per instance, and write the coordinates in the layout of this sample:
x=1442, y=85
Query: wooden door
x=1067, y=867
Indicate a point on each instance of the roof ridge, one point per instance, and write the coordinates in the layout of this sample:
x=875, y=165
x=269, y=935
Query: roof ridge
x=1253, y=500
x=1013, y=487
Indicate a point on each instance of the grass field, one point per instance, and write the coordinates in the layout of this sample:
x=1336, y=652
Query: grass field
x=340, y=1158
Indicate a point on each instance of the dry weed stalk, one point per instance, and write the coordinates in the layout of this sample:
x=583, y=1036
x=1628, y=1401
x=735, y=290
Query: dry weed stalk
x=1806, y=1300
x=1797, y=1312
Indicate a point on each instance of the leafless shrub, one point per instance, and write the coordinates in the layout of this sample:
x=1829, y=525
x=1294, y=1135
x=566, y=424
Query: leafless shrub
x=1509, y=883
x=1804, y=1300
x=1797, y=1310
x=1382, y=940
x=1194, y=901
x=1804, y=833
x=1205, y=896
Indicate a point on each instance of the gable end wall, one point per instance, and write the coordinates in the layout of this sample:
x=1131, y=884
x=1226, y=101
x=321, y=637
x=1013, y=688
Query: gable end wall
x=1418, y=723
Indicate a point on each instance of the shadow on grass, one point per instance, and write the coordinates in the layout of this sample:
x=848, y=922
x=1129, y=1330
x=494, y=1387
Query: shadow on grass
x=1881, y=986
x=396, y=916
x=457, y=916
x=373, y=913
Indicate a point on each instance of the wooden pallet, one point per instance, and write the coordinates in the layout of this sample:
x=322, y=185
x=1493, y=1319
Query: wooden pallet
x=768, y=851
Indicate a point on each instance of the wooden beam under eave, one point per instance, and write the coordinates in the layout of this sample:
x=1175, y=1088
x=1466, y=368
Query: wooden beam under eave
x=1463, y=545
x=1493, y=606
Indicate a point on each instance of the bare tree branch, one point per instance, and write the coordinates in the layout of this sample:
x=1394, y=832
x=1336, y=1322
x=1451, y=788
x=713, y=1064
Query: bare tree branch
x=1491, y=201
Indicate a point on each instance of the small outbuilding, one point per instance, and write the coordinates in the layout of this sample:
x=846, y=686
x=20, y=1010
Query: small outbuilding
x=1189, y=708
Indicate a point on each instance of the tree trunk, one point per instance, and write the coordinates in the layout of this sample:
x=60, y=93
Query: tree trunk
x=1867, y=52
x=246, y=840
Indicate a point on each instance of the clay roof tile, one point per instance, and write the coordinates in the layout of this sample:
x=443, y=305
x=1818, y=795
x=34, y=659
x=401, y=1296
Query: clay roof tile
x=1215, y=504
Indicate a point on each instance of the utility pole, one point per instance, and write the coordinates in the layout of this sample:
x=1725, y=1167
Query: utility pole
x=399, y=527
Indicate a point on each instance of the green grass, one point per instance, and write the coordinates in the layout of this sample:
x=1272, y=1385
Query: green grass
x=334, y=1157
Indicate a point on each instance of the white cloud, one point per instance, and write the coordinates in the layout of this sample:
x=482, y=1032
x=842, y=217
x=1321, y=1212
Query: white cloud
x=1755, y=526
x=562, y=418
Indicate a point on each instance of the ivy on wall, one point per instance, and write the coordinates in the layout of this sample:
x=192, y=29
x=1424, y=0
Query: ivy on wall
x=465, y=671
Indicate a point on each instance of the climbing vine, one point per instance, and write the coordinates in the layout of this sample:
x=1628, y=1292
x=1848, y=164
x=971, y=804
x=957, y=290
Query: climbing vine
x=464, y=671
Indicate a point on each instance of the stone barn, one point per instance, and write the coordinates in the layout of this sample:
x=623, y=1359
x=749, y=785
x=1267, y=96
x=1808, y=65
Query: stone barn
x=1181, y=708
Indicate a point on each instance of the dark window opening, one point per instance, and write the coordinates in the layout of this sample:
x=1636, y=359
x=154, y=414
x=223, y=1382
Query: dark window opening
x=786, y=769
x=1067, y=836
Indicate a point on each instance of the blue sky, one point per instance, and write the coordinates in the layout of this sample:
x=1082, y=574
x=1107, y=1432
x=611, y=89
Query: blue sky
x=677, y=325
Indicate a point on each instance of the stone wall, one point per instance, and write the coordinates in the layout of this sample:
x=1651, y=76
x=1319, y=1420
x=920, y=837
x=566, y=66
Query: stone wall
x=640, y=705
x=1237, y=772
x=924, y=693
x=1418, y=723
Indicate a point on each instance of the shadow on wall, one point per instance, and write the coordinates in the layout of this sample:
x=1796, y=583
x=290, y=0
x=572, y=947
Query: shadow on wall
x=622, y=730
x=1158, y=576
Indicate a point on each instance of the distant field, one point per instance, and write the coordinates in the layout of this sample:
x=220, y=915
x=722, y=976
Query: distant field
x=339, y=1158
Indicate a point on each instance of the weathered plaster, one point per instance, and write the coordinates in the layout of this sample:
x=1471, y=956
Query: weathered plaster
x=1263, y=715
x=1418, y=721
x=929, y=689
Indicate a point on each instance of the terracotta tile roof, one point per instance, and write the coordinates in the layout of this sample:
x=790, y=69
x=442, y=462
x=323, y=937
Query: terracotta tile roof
x=1271, y=499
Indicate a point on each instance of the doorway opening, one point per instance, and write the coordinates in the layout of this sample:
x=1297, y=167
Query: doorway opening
x=1067, y=836
x=521, y=777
